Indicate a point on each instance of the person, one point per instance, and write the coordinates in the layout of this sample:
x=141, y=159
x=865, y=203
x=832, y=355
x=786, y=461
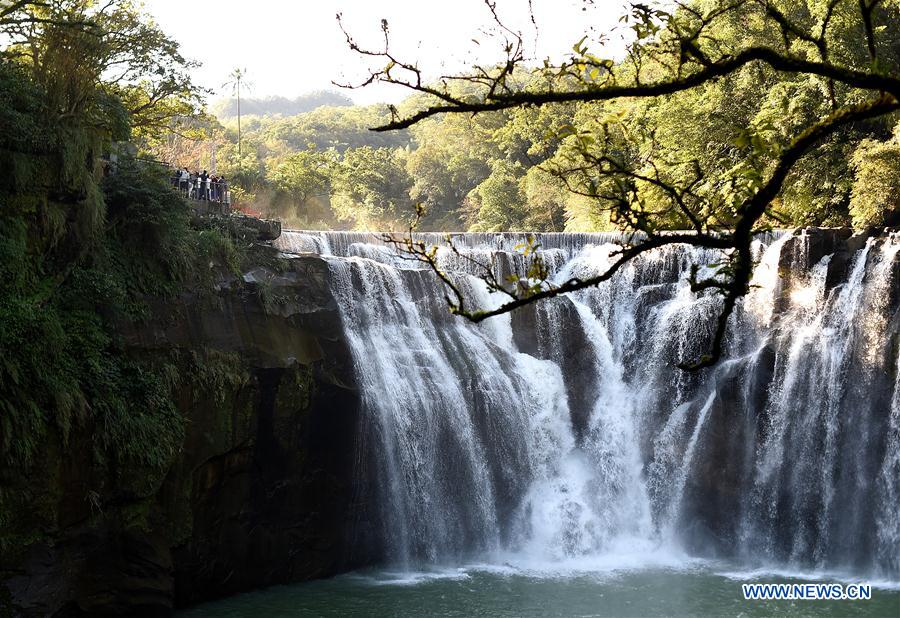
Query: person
x=223, y=192
x=204, y=186
x=185, y=178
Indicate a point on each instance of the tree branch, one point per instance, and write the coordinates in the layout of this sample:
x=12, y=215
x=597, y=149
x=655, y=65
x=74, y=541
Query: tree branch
x=780, y=62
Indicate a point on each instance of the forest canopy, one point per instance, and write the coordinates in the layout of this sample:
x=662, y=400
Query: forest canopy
x=508, y=166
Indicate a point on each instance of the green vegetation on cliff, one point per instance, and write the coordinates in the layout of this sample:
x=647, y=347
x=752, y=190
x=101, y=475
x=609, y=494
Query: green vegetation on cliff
x=84, y=243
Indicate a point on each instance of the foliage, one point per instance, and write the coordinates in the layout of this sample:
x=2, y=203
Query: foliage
x=496, y=203
x=723, y=119
x=246, y=170
x=298, y=162
x=329, y=127
x=304, y=179
x=371, y=188
x=718, y=138
x=876, y=187
x=547, y=202
x=83, y=243
x=147, y=231
x=87, y=54
x=63, y=368
x=452, y=156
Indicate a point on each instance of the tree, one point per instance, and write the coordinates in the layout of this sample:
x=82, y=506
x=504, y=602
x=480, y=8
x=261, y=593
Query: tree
x=876, y=189
x=237, y=81
x=244, y=170
x=105, y=73
x=497, y=203
x=546, y=201
x=76, y=75
x=304, y=178
x=332, y=127
x=452, y=156
x=85, y=53
x=370, y=187
x=848, y=49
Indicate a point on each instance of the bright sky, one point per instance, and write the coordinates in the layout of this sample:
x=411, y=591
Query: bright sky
x=290, y=47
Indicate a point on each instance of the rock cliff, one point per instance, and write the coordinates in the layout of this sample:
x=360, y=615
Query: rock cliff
x=261, y=490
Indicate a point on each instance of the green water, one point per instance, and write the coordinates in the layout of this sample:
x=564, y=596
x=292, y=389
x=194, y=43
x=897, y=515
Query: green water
x=698, y=590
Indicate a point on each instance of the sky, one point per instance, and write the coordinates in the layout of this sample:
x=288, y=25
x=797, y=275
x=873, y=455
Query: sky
x=291, y=47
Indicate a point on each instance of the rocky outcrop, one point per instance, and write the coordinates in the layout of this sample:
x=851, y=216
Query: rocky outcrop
x=260, y=492
x=266, y=229
x=535, y=335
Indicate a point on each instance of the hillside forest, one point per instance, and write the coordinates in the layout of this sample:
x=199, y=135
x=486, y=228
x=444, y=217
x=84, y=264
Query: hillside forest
x=314, y=162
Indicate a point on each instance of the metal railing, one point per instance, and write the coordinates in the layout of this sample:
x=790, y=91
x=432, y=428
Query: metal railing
x=212, y=195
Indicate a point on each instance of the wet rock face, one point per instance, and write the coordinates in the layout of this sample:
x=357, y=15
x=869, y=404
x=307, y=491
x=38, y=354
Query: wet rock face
x=266, y=229
x=97, y=570
x=274, y=507
x=260, y=493
x=806, y=247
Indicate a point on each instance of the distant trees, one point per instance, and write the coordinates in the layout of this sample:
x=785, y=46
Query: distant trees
x=547, y=160
x=452, y=156
x=678, y=134
x=304, y=178
x=237, y=82
x=548, y=206
x=497, y=203
x=329, y=127
x=280, y=106
x=370, y=187
x=446, y=161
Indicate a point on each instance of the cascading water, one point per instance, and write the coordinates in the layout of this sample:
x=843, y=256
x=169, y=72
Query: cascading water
x=565, y=431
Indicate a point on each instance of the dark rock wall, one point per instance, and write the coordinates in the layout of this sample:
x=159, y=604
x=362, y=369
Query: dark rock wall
x=260, y=492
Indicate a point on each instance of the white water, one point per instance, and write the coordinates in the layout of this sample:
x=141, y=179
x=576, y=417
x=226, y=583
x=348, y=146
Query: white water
x=564, y=437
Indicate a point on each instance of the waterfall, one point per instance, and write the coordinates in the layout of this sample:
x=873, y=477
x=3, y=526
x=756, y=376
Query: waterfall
x=565, y=430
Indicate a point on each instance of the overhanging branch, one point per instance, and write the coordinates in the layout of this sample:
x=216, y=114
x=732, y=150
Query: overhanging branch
x=778, y=61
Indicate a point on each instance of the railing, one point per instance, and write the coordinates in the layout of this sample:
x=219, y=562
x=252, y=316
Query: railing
x=208, y=196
